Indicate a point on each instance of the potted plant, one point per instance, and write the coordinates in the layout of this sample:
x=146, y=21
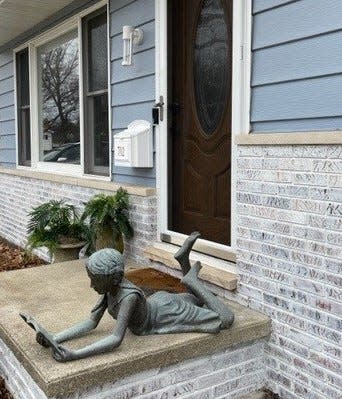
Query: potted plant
x=108, y=220
x=57, y=226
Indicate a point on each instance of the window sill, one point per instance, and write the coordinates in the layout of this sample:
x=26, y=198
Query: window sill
x=136, y=354
x=84, y=181
x=293, y=138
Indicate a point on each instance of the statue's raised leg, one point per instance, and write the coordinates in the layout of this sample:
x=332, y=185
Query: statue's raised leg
x=182, y=255
x=198, y=289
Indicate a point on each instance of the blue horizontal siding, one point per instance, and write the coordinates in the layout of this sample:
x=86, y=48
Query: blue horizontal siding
x=134, y=91
x=295, y=21
x=6, y=69
x=7, y=127
x=7, y=141
x=5, y=58
x=262, y=5
x=7, y=118
x=7, y=113
x=311, y=98
x=131, y=13
x=143, y=64
x=9, y=165
x=133, y=87
x=6, y=84
x=7, y=155
x=6, y=99
x=125, y=114
x=298, y=60
x=134, y=180
x=296, y=66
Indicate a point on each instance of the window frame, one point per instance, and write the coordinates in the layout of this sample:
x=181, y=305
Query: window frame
x=19, y=108
x=72, y=23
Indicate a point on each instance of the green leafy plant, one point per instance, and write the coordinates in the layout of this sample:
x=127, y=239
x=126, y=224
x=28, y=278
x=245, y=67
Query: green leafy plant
x=108, y=219
x=53, y=224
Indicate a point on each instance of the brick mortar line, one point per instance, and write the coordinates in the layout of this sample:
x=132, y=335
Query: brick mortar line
x=281, y=246
x=296, y=317
x=289, y=198
x=268, y=280
x=282, y=209
x=329, y=330
x=291, y=382
x=295, y=356
x=285, y=236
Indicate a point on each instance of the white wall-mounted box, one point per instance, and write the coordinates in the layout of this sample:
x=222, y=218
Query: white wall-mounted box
x=133, y=147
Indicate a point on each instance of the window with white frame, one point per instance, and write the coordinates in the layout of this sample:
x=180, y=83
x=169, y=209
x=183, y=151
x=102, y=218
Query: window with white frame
x=66, y=77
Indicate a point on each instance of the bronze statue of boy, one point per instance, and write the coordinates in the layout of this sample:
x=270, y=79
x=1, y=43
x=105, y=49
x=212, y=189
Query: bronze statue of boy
x=199, y=310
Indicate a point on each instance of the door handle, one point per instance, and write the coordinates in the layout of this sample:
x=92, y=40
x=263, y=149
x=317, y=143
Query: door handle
x=158, y=111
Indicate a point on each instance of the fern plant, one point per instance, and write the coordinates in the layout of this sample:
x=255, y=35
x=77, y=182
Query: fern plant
x=54, y=223
x=108, y=219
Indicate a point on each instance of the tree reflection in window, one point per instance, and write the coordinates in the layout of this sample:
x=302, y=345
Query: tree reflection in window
x=59, y=95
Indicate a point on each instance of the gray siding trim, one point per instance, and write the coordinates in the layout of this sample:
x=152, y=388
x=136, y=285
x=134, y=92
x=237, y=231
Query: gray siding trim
x=133, y=87
x=298, y=125
x=7, y=118
x=296, y=73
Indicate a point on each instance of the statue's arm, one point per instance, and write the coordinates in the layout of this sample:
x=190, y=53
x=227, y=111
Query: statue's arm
x=106, y=344
x=86, y=325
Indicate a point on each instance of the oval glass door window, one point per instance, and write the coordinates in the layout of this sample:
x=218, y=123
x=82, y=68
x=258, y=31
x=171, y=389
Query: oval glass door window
x=211, y=65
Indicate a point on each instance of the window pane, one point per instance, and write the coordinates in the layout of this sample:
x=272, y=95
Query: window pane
x=59, y=98
x=97, y=52
x=23, y=108
x=22, y=58
x=96, y=140
x=100, y=126
x=211, y=65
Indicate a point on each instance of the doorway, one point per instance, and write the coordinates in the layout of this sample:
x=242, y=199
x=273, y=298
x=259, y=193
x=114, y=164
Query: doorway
x=199, y=117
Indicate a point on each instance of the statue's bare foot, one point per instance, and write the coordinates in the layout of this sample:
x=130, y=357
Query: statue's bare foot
x=185, y=249
x=192, y=274
x=182, y=255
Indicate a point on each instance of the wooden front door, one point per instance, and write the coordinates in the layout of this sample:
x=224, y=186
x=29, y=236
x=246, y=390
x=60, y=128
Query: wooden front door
x=200, y=58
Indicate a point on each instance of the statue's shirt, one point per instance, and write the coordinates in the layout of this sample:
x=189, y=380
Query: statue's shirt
x=164, y=312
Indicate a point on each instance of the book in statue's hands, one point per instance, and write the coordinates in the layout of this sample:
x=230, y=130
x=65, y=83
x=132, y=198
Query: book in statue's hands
x=47, y=337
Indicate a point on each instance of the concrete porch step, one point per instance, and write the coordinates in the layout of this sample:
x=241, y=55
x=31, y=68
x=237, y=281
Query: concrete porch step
x=215, y=271
x=58, y=295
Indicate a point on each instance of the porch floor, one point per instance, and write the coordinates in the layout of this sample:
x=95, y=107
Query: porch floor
x=58, y=295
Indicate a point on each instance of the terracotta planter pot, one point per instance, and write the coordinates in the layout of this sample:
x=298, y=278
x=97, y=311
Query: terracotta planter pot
x=106, y=238
x=66, y=252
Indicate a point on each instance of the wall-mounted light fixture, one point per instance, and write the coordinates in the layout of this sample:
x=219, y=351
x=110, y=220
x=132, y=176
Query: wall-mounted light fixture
x=130, y=36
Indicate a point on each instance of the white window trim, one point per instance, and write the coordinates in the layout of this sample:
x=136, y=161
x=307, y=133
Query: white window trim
x=241, y=70
x=74, y=22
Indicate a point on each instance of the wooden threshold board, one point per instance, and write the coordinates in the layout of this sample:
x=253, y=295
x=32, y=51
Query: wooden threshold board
x=215, y=271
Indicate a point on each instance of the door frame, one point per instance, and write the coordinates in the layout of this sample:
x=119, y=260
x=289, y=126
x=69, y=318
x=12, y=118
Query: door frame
x=241, y=76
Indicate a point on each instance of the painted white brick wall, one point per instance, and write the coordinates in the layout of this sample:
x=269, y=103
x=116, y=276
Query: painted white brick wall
x=18, y=195
x=289, y=238
x=230, y=374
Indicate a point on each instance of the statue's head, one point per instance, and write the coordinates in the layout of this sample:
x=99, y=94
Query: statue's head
x=105, y=269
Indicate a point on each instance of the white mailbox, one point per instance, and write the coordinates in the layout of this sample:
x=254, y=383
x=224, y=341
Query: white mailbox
x=134, y=146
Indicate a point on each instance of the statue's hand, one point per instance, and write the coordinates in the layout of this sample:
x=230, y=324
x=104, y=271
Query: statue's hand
x=62, y=354
x=40, y=338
